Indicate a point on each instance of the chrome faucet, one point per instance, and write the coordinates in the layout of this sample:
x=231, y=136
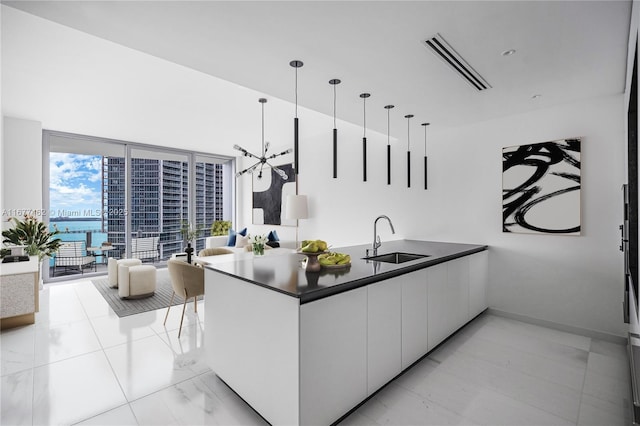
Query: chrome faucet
x=376, y=237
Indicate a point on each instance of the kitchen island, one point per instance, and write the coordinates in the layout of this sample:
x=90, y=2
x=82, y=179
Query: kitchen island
x=307, y=347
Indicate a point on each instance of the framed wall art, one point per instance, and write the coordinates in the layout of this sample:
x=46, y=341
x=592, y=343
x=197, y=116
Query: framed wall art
x=541, y=188
x=269, y=195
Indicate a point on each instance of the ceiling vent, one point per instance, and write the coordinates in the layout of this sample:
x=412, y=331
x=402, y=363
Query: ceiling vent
x=445, y=52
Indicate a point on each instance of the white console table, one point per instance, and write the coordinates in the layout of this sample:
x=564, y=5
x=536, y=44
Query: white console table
x=19, y=289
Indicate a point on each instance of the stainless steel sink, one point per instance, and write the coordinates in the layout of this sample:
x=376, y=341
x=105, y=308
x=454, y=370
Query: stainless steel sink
x=397, y=257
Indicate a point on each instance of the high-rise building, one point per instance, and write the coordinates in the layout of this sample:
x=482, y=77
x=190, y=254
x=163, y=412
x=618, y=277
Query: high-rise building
x=159, y=201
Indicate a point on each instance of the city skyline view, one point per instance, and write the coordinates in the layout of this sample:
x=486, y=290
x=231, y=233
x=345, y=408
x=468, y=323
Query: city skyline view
x=87, y=199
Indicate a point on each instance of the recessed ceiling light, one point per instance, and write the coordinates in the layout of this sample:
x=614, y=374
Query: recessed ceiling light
x=509, y=52
x=536, y=96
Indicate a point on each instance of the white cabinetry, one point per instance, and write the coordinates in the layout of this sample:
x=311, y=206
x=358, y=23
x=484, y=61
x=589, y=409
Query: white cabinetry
x=478, y=282
x=18, y=293
x=333, y=354
x=311, y=363
x=414, y=316
x=384, y=360
x=440, y=300
x=458, y=292
x=257, y=340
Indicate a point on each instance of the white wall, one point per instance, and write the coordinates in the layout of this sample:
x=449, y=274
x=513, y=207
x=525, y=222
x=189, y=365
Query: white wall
x=74, y=82
x=21, y=168
x=576, y=281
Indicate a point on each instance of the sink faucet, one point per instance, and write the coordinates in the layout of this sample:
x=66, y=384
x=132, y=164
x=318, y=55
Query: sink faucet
x=376, y=237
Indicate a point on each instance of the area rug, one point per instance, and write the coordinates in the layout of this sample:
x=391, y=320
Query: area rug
x=124, y=307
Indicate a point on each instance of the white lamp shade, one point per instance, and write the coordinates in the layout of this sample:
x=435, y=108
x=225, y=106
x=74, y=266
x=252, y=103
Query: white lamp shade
x=297, y=207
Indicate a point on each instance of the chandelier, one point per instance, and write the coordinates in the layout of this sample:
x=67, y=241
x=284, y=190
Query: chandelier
x=263, y=159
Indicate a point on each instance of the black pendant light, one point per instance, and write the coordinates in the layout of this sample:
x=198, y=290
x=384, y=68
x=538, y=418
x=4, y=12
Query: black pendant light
x=408, y=117
x=335, y=82
x=296, y=64
x=364, y=97
x=425, y=154
x=388, y=108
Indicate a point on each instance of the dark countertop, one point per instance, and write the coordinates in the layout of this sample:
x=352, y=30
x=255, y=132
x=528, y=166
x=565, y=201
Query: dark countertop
x=280, y=270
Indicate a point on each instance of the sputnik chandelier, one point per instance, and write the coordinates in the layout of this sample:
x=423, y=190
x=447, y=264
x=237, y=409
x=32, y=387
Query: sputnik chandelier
x=263, y=160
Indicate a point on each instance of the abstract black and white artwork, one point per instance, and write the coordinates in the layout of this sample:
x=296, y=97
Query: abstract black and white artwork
x=269, y=195
x=541, y=188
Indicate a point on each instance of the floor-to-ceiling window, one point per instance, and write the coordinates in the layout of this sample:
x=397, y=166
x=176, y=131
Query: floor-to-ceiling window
x=101, y=190
x=209, y=196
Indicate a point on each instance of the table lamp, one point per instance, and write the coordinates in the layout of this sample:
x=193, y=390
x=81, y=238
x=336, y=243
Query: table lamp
x=297, y=209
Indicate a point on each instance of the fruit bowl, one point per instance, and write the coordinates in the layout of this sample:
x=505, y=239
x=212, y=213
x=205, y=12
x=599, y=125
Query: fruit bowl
x=345, y=265
x=333, y=260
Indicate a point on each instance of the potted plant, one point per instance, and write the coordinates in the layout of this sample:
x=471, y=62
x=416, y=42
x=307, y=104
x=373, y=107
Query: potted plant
x=34, y=235
x=189, y=234
x=257, y=244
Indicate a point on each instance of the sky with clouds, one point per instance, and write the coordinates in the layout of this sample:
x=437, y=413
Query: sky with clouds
x=75, y=183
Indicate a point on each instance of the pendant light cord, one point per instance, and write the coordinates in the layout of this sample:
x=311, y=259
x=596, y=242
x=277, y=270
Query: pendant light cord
x=263, y=129
x=296, y=92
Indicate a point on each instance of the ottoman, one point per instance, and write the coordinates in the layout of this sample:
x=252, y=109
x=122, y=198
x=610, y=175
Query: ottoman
x=112, y=269
x=136, y=281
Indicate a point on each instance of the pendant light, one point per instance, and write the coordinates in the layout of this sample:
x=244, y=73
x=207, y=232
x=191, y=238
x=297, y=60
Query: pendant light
x=335, y=82
x=262, y=159
x=408, y=117
x=364, y=97
x=425, y=154
x=388, y=108
x=296, y=64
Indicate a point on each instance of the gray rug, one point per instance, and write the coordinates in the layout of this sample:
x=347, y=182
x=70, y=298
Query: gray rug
x=123, y=307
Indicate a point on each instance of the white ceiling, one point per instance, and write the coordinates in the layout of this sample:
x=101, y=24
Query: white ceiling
x=565, y=50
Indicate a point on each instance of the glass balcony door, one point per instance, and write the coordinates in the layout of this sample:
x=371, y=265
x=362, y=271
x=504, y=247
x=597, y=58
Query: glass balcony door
x=159, y=199
x=78, y=175
x=131, y=195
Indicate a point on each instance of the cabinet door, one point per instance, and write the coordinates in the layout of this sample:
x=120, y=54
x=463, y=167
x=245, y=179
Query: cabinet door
x=414, y=317
x=383, y=333
x=478, y=282
x=438, y=305
x=18, y=294
x=458, y=292
x=333, y=353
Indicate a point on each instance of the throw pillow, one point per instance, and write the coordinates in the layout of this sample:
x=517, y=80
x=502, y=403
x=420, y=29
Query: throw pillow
x=273, y=236
x=231, y=242
x=241, y=240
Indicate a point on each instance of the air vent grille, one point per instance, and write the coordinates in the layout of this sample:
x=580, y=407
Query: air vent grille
x=444, y=51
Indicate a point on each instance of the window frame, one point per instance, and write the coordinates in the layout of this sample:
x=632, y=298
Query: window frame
x=94, y=145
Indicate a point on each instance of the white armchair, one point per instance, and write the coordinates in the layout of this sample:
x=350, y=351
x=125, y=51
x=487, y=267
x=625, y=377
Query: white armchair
x=136, y=281
x=112, y=269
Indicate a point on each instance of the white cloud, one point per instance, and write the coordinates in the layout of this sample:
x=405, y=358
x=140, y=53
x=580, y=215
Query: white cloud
x=74, y=182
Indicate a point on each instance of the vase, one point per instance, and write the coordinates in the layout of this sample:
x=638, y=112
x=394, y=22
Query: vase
x=258, y=249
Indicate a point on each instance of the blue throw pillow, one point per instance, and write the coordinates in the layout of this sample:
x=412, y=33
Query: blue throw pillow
x=273, y=236
x=231, y=242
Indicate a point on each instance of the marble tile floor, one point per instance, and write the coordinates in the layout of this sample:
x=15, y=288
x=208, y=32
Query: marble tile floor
x=81, y=364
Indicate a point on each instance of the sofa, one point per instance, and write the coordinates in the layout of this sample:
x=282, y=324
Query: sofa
x=240, y=244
